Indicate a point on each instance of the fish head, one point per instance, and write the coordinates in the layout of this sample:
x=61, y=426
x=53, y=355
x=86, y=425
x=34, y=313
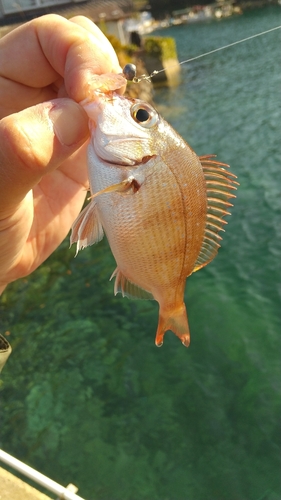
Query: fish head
x=125, y=131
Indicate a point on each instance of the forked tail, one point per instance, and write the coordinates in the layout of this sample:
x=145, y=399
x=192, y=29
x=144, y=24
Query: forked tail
x=177, y=322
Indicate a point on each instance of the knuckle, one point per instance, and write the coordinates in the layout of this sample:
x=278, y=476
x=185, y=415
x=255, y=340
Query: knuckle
x=23, y=144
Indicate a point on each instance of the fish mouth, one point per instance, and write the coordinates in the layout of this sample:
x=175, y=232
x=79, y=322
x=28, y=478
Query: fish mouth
x=124, y=152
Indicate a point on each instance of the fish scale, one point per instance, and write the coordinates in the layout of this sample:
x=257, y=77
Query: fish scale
x=159, y=204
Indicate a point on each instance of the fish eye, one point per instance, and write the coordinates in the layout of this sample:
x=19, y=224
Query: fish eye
x=144, y=114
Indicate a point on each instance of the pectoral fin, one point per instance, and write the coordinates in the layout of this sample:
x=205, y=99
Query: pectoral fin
x=87, y=228
x=127, y=288
x=122, y=187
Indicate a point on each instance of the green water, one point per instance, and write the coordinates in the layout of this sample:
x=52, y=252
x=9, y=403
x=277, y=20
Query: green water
x=86, y=396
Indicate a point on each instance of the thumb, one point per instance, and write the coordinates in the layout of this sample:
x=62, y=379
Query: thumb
x=34, y=142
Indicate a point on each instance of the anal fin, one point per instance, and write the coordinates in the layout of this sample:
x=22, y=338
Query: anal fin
x=127, y=288
x=87, y=228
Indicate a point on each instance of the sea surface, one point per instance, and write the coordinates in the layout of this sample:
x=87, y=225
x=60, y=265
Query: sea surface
x=228, y=104
x=86, y=396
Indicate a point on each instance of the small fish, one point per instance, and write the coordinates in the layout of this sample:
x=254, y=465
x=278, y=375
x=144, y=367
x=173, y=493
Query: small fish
x=159, y=204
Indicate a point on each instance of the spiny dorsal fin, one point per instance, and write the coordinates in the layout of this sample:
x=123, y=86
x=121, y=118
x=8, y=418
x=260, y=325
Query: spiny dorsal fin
x=219, y=185
x=127, y=288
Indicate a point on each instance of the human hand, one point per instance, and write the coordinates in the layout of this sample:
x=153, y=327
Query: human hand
x=43, y=174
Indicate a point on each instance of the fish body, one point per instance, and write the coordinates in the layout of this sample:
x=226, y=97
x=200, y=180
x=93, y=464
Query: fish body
x=159, y=204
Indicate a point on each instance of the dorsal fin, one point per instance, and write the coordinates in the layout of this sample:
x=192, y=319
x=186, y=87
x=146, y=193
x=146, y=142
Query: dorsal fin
x=219, y=185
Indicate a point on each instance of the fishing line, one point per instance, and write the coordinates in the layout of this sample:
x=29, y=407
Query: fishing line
x=135, y=79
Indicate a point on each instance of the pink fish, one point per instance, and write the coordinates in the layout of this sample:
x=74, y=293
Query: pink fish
x=159, y=204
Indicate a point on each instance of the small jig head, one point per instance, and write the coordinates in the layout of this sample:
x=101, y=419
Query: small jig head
x=130, y=71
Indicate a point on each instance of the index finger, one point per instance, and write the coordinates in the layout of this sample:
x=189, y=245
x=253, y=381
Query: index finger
x=39, y=52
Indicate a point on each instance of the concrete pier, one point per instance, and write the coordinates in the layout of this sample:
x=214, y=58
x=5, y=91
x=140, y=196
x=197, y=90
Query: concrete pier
x=13, y=488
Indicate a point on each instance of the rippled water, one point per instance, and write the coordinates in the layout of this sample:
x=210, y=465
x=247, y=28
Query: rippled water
x=86, y=396
x=228, y=104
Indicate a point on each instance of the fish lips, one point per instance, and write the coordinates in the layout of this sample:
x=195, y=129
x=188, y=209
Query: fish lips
x=116, y=138
x=127, y=151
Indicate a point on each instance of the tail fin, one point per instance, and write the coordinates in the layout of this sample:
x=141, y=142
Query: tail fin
x=177, y=322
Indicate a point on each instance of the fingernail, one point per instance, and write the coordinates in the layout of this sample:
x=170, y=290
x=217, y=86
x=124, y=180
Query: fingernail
x=70, y=122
